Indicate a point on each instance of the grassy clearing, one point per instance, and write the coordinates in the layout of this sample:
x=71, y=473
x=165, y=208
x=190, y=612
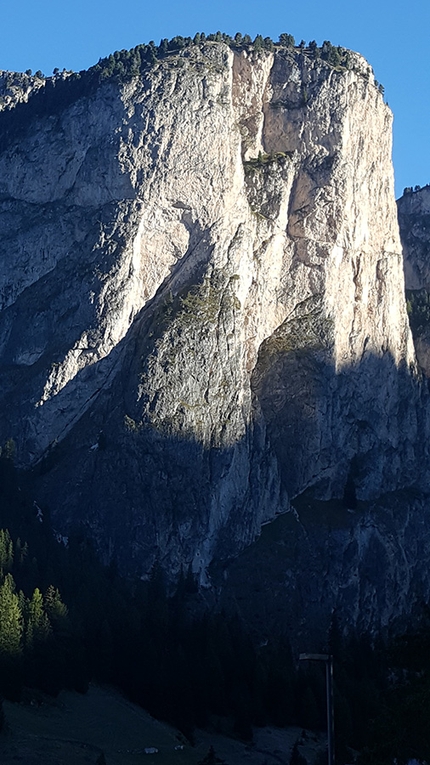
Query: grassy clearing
x=75, y=729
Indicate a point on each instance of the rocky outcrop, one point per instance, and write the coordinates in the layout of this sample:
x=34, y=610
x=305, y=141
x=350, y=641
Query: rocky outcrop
x=367, y=566
x=414, y=221
x=202, y=302
x=16, y=88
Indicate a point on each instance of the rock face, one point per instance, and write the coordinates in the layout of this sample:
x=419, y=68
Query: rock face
x=414, y=222
x=202, y=302
x=16, y=88
x=367, y=566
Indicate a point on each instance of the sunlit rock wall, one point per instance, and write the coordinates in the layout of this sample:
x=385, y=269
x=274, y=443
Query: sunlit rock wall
x=202, y=309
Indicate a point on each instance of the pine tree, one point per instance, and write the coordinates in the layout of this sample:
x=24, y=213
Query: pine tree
x=286, y=40
x=11, y=620
x=21, y=551
x=38, y=627
x=6, y=550
x=313, y=47
x=55, y=609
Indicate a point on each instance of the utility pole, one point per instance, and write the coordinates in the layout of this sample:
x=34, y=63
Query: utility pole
x=328, y=661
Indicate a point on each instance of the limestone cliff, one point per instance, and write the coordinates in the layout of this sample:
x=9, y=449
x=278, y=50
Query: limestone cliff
x=414, y=221
x=202, y=301
x=369, y=566
x=16, y=88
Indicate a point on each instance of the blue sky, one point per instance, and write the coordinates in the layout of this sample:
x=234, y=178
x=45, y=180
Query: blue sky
x=393, y=35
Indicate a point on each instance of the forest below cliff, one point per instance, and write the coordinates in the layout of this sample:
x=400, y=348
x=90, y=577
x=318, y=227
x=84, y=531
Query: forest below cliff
x=66, y=620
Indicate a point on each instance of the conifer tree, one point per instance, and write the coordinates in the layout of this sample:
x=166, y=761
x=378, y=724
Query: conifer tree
x=11, y=620
x=6, y=550
x=313, y=47
x=21, y=551
x=55, y=609
x=38, y=625
x=286, y=40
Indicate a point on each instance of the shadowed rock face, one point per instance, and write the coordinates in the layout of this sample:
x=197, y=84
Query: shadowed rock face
x=414, y=221
x=366, y=565
x=202, y=303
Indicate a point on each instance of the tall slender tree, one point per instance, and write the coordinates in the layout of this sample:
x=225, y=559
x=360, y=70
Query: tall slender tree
x=11, y=620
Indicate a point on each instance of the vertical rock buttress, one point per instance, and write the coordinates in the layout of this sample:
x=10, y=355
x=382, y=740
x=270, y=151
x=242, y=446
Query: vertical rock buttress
x=202, y=309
